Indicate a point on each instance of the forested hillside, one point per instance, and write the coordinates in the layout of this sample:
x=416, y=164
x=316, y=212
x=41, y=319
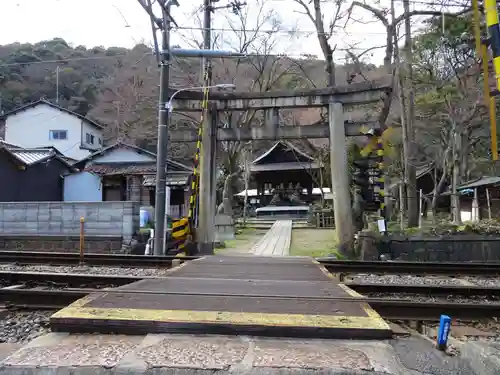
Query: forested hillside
x=119, y=87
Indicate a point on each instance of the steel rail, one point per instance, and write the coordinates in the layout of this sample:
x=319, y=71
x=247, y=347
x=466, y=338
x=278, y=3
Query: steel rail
x=429, y=290
x=69, y=279
x=341, y=267
x=414, y=268
x=387, y=308
x=92, y=259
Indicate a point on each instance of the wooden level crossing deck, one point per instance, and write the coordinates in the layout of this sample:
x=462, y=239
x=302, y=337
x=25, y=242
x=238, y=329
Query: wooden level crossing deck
x=247, y=295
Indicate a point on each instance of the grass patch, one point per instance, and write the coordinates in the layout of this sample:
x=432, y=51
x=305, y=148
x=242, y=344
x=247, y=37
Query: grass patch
x=314, y=243
x=245, y=238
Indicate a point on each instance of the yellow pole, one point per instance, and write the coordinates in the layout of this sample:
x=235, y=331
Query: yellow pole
x=490, y=8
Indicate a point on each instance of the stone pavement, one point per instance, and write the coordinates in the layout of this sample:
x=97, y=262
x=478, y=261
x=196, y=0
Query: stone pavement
x=276, y=242
x=60, y=353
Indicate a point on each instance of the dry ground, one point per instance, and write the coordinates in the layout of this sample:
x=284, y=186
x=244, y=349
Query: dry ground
x=313, y=242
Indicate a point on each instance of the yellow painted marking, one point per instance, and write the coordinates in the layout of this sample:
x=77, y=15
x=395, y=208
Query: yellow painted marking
x=366, y=307
x=351, y=292
x=372, y=320
x=223, y=317
x=327, y=273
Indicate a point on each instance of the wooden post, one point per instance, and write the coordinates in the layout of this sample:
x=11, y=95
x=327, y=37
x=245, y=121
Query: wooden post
x=82, y=239
x=475, y=207
x=420, y=206
x=340, y=178
x=488, y=199
x=401, y=205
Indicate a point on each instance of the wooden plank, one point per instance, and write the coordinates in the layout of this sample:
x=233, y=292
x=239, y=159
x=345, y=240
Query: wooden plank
x=276, y=241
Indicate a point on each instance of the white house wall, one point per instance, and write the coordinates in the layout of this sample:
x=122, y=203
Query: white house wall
x=31, y=128
x=123, y=155
x=82, y=187
x=89, y=129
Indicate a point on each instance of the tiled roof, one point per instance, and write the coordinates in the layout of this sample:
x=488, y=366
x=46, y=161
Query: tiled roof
x=8, y=145
x=121, y=168
x=171, y=164
x=283, y=146
x=30, y=157
x=485, y=181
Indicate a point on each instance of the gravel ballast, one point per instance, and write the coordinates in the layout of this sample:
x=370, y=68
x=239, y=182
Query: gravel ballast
x=484, y=281
x=86, y=270
x=404, y=279
x=21, y=327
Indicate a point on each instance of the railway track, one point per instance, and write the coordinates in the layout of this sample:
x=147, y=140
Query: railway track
x=386, y=307
x=71, y=287
x=65, y=279
x=343, y=267
x=91, y=259
x=72, y=280
x=427, y=290
x=340, y=267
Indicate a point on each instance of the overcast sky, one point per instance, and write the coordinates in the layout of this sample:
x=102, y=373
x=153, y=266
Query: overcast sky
x=103, y=22
x=124, y=23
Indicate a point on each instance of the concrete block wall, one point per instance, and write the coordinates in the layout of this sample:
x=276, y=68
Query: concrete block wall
x=116, y=219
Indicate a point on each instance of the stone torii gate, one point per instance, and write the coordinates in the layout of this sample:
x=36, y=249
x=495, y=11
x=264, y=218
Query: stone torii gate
x=336, y=129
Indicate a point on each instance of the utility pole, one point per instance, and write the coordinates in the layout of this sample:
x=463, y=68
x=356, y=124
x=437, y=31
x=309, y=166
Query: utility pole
x=207, y=40
x=163, y=121
x=206, y=211
x=207, y=182
x=410, y=172
x=57, y=85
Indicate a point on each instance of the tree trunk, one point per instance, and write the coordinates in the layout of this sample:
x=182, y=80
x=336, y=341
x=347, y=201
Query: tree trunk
x=439, y=186
x=411, y=177
x=247, y=180
x=455, y=201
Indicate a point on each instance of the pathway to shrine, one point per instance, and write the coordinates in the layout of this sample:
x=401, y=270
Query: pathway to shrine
x=276, y=242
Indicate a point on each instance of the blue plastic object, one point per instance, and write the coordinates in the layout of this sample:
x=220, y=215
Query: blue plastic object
x=144, y=218
x=443, y=332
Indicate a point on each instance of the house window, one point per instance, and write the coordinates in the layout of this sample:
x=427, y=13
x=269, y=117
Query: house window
x=58, y=134
x=100, y=141
x=89, y=138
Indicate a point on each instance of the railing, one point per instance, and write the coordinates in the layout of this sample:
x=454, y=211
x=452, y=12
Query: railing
x=324, y=220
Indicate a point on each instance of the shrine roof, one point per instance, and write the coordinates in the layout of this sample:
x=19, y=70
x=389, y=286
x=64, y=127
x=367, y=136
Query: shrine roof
x=283, y=152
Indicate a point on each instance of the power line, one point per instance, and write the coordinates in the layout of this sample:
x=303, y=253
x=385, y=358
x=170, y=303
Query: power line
x=65, y=60
x=251, y=54
x=400, y=1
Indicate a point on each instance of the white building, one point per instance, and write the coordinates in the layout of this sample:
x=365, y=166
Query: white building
x=44, y=124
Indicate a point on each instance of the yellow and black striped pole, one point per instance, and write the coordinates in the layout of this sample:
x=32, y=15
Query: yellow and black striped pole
x=490, y=9
x=195, y=178
x=491, y=13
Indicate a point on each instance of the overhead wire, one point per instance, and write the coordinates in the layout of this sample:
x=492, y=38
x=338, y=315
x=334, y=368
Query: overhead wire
x=289, y=31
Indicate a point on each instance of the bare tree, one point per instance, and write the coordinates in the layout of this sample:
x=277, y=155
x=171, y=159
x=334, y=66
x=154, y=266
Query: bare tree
x=450, y=113
x=325, y=29
x=406, y=101
x=255, y=32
